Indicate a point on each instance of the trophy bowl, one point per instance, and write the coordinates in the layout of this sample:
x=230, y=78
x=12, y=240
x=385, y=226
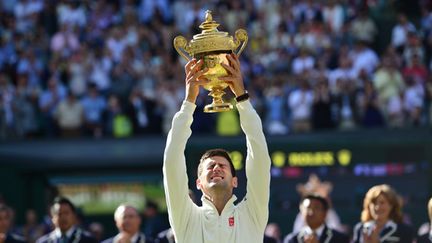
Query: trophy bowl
x=213, y=61
x=212, y=46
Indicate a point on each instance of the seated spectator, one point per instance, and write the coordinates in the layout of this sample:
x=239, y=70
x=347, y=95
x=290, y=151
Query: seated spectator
x=64, y=218
x=69, y=115
x=275, y=116
x=303, y=62
x=300, y=102
x=313, y=209
x=128, y=223
x=400, y=32
x=116, y=123
x=363, y=27
x=427, y=237
x=65, y=41
x=417, y=70
x=381, y=218
x=5, y=224
x=48, y=102
x=370, y=113
x=389, y=83
x=321, y=108
x=31, y=230
x=413, y=101
x=363, y=57
x=94, y=105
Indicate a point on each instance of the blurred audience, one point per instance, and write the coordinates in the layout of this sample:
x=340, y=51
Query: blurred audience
x=314, y=57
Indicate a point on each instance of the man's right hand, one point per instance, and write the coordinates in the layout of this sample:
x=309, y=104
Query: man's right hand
x=194, y=79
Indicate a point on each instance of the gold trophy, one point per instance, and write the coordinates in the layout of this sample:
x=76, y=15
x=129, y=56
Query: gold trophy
x=212, y=46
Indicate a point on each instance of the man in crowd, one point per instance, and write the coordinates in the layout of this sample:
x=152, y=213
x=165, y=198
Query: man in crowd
x=313, y=209
x=64, y=218
x=128, y=222
x=5, y=224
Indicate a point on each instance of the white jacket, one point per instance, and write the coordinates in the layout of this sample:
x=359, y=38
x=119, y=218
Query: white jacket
x=244, y=222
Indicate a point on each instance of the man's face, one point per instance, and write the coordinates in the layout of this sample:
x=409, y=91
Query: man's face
x=216, y=175
x=128, y=220
x=313, y=212
x=63, y=217
x=4, y=221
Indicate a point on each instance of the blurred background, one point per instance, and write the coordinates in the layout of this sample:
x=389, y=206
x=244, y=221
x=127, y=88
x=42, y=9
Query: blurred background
x=88, y=90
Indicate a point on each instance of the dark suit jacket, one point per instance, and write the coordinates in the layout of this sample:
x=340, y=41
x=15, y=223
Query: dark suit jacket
x=426, y=238
x=328, y=236
x=141, y=239
x=268, y=239
x=392, y=232
x=13, y=238
x=78, y=236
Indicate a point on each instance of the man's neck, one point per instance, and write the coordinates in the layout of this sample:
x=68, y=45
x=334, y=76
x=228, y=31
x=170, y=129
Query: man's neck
x=219, y=200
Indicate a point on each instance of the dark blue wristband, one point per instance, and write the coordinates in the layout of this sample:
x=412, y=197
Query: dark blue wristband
x=242, y=97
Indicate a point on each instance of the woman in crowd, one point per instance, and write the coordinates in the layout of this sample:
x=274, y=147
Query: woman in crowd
x=381, y=218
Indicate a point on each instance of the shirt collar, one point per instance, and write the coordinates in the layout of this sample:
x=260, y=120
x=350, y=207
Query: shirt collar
x=318, y=231
x=209, y=204
x=134, y=238
x=69, y=232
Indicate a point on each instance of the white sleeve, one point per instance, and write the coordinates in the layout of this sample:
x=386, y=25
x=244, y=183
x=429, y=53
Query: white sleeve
x=176, y=188
x=257, y=165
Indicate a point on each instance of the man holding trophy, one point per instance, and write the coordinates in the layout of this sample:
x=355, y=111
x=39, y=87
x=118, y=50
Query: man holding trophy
x=218, y=219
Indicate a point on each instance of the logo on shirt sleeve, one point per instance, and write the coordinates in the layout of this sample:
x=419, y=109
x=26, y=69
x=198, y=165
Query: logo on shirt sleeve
x=231, y=221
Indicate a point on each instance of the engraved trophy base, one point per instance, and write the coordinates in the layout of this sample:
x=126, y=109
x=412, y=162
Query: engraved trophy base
x=218, y=104
x=218, y=107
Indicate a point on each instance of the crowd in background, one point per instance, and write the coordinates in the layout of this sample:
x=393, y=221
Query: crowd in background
x=71, y=68
x=382, y=217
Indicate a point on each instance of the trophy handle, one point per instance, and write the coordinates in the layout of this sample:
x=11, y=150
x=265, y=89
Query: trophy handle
x=181, y=42
x=241, y=36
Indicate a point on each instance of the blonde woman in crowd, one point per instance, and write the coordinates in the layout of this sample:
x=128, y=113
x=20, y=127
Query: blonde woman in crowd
x=381, y=218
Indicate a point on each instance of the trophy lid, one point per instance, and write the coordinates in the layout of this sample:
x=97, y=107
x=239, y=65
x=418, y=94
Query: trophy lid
x=211, y=39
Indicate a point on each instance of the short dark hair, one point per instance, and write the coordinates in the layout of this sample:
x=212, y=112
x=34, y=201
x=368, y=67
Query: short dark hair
x=216, y=152
x=319, y=198
x=63, y=200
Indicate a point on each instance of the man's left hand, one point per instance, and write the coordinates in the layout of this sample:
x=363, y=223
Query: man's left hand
x=234, y=78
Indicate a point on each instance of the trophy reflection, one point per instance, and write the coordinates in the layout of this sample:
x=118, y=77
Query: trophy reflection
x=212, y=45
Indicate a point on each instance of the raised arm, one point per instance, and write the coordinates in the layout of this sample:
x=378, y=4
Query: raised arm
x=174, y=168
x=257, y=163
x=257, y=159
